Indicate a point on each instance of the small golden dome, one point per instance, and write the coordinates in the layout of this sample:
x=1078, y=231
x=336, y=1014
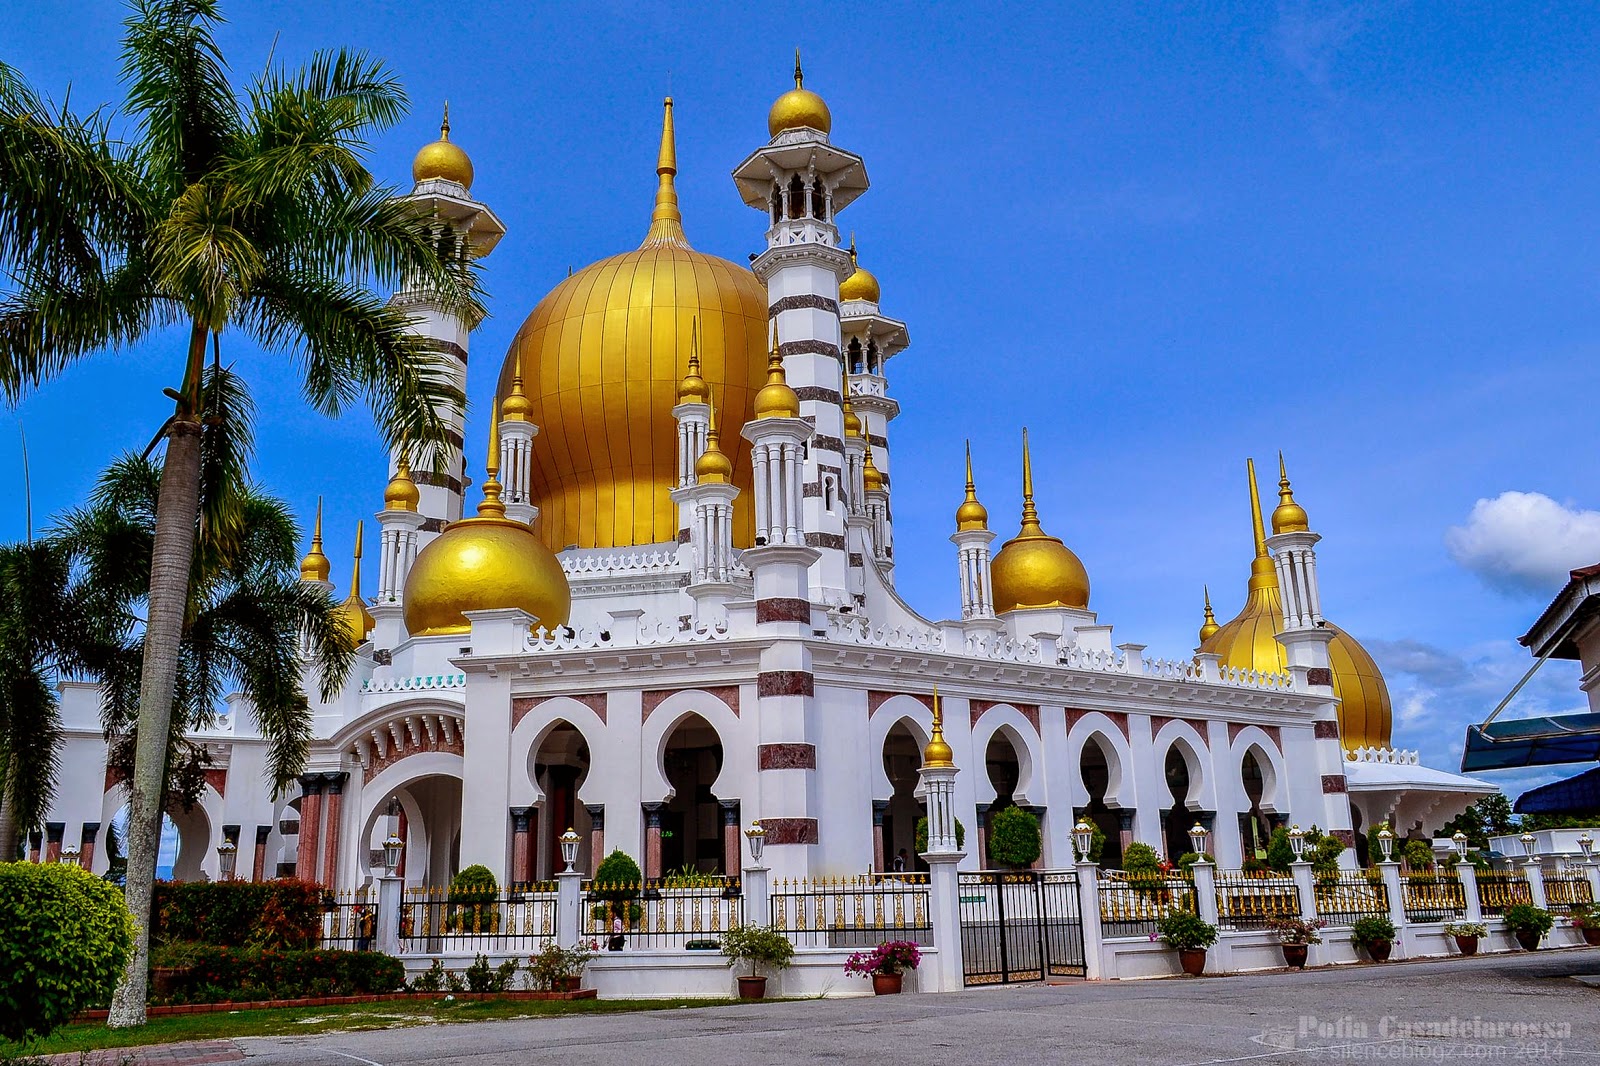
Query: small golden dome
x=485, y=563
x=852, y=421
x=871, y=476
x=1288, y=516
x=402, y=493
x=971, y=514
x=937, y=753
x=693, y=387
x=1034, y=569
x=515, y=407
x=776, y=399
x=713, y=467
x=315, y=566
x=1209, y=626
x=799, y=108
x=352, y=614
x=861, y=285
x=442, y=159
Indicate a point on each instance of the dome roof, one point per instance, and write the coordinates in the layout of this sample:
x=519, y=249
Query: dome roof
x=402, y=493
x=602, y=356
x=971, y=514
x=799, y=108
x=315, y=565
x=860, y=285
x=442, y=159
x=1034, y=569
x=1249, y=642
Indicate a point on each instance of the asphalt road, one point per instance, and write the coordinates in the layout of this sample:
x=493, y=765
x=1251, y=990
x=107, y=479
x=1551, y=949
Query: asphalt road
x=1502, y=1008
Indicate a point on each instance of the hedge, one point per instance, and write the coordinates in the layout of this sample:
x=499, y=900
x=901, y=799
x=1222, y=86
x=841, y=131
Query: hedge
x=277, y=914
x=219, y=975
x=64, y=939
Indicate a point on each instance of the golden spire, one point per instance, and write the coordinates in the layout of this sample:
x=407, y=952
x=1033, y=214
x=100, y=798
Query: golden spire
x=444, y=124
x=776, y=399
x=353, y=611
x=871, y=476
x=713, y=467
x=1288, y=516
x=666, y=224
x=1262, y=571
x=971, y=514
x=1210, y=626
x=861, y=284
x=852, y=421
x=315, y=566
x=937, y=755
x=693, y=389
x=799, y=107
x=1030, y=513
x=799, y=75
x=491, y=507
x=402, y=493
x=355, y=568
x=441, y=159
x=517, y=406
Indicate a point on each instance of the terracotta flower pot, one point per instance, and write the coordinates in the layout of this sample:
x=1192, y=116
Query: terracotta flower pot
x=1591, y=935
x=1529, y=939
x=752, y=987
x=567, y=984
x=1379, y=950
x=887, y=984
x=1467, y=945
x=164, y=979
x=1295, y=955
x=1193, y=960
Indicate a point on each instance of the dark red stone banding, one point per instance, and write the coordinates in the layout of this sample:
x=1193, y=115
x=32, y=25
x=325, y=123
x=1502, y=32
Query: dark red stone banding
x=787, y=757
x=786, y=683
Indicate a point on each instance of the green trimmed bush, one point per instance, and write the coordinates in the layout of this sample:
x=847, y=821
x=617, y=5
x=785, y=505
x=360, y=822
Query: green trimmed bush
x=285, y=914
x=1014, y=838
x=222, y=975
x=919, y=843
x=474, y=901
x=615, y=889
x=1141, y=858
x=1280, y=853
x=65, y=936
x=1418, y=854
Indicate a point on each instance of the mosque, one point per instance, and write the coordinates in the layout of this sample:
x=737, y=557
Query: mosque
x=672, y=610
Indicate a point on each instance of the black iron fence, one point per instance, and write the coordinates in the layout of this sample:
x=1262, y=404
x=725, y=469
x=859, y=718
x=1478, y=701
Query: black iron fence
x=853, y=912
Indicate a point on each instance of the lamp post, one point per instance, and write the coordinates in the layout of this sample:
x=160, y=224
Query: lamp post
x=757, y=837
x=1586, y=845
x=1083, y=838
x=1530, y=846
x=1197, y=838
x=69, y=857
x=569, y=848
x=1459, y=842
x=227, y=859
x=1297, y=841
x=1386, y=842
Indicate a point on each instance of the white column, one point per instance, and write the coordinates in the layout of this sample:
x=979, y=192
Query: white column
x=1397, y=904
x=1532, y=871
x=1469, y=891
x=569, y=905
x=1089, y=916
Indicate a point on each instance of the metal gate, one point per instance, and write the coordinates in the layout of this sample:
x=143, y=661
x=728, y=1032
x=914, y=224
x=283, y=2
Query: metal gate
x=1020, y=926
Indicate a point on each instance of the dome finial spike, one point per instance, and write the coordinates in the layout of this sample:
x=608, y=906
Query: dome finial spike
x=666, y=222
x=971, y=488
x=694, y=345
x=1030, y=513
x=1209, y=626
x=1257, y=526
x=444, y=126
x=799, y=75
x=937, y=753
x=1288, y=516
x=316, y=531
x=314, y=566
x=971, y=514
x=355, y=570
x=492, y=507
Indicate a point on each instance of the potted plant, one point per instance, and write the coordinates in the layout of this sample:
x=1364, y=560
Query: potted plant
x=1190, y=935
x=1014, y=838
x=1528, y=924
x=1466, y=934
x=560, y=969
x=1295, y=936
x=1376, y=934
x=886, y=964
x=171, y=963
x=1586, y=918
x=756, y=945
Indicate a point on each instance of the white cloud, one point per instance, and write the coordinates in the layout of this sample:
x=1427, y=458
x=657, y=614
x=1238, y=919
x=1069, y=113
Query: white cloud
x=1310, y=37
x=1525, y=542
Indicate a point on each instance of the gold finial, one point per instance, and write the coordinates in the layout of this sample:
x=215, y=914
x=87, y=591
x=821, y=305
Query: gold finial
x=353, y=611
x=1288, y=516
x=776, y=399
x=852, y=246
x=492, y=507
x=713, y=467
x=971, y=514
x=517, y=407
x=1263, y=573
x=444, y=126
x=402, y=493
x=315, y=565
x=937, y=755
x=852, y=421
x=1030, y=513
x=1210, y=626
x=693, y=388
x=799, y=76
x=355, y=572
x=666, y=223
x=871, y=476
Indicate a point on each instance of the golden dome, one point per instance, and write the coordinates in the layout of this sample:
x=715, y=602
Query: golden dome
x=1288, y=516
x=799, y=108
x=602, y=358
x=713, y=467
x=315, y=565
x=1249, y=642
x=871, y=476
x=971, y=514
x=402, y=493
x=693, y=388
x=515, y=408
x=1034, y=569
x=776, y=399
x=861, y=285
x=1209, y=626
x=352, y=614
x=485, y=563
x=442, y=159
x=937, y=753
x=852, y=421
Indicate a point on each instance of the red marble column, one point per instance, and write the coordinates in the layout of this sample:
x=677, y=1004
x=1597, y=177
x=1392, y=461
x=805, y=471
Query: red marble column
x=52, y=840
x=520, y=872
x=91, y=830
x=35, y=842
x=258, y=871
x=597, y=835
x=534, y=821
x=879, y=862
x=652, y=840
x=334, y=804
x=306, y=854
x=402, y=827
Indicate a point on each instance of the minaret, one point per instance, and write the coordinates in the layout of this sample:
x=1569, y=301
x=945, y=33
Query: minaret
x=693, y=415
x=800, y=181
x=443, y=176
x=314, y=567
x=399, y=526
x=516, y=453
x=972, y=539
x=877, y=493
x=870, y=338
x=710, y=499
x=353, y=613
x=858, y=527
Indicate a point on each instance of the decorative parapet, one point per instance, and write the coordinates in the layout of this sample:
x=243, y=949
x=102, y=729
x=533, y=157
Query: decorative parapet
x=901, y=638
x=1117, y=662
x=422, y=683
x=651, y=632
x=654, y=631
x=608, y=563
x=1391, y=756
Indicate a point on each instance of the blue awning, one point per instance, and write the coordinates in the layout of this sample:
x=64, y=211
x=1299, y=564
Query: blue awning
x=1548, y=741
x=1575, y=795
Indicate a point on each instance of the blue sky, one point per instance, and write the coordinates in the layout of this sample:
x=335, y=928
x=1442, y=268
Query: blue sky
x=1165, y=240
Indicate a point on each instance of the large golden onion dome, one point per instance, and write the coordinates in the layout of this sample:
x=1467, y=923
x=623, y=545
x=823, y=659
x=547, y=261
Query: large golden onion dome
x=799, y=108
x=1034, y=569
x=486, y=563
x=601, y=357
x=315, y=565
x=442, y=159
x=352, y=615
x=971, y=514
x=1250, y=642
x=861, y=284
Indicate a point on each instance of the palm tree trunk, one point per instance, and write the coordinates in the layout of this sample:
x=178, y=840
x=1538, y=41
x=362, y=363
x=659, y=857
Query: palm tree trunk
x=177, y=510
x=9, y=830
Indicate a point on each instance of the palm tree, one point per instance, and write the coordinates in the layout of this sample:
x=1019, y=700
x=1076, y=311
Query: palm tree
x=215, y=210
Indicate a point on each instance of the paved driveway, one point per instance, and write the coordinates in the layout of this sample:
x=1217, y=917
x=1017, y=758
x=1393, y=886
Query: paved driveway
x=1516, y=1007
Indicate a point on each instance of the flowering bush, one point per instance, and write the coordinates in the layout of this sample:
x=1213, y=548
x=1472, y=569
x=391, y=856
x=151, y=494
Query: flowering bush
x=890, y=957
x=556, y=963
x=220, y=974
x=269, y=914
x=1466, y=929
x=1184, y=930
x=1585, y=916
x=1298, y=930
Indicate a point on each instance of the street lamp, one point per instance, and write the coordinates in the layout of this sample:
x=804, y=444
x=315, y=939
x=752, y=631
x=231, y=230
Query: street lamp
x=1586, y=845
x=69, y=857
x=1460, y=842
x=757, y=837
x=1197, y=838
x=569, y=848
x=227, y=859
x=393, y=847
x=1297, y=841
x=1530, y=846
x=1083, y=838
x=1386, y=842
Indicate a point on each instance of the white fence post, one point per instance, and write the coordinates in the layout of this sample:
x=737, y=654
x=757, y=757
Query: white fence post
x=1089, y=916
x=757, y=896
x=944, y=905
x=1531, y=870
x=1205, y=892
x=389, y=903
x=1395, y=889
x=569, y=907
x=1592, y=868
x=1306, y=885
x=1468, y=875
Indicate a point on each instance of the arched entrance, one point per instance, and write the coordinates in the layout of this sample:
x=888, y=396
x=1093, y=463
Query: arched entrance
x=560, y=767
x=902, y=757
x=1004, y=767
x=691, y=821
x=1177, y=819
x=427, y=816
x=1255, y=827
x=185, y=844
x=1094, y=767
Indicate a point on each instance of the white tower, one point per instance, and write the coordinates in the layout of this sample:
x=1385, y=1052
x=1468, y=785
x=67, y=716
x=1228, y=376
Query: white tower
x=516, y=454
x=443, y=176
x=972, y=539
x=693, y=415
x=710, y=499
x=801, y=181
x=400, y=528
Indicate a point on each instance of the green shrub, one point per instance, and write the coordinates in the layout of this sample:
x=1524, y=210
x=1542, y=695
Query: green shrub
x=1014, y=838
x=1185, y=930
x=757, y=945
x=1187, y=860
x=64, y=939
x=1280, y=853
x=1526, y=918
x=481, y=977
x=1140, y=859
x=474, y=901
x=283, y=914
x=919, y=843
x=616, y=885
x=220, y=974
x=1418, y=854
x=1372, y=929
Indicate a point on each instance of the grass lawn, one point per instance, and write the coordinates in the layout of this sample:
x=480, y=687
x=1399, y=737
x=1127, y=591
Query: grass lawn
x=299, y=1021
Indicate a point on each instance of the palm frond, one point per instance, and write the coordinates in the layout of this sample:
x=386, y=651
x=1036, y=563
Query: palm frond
x=49, y=322
x=178, y=88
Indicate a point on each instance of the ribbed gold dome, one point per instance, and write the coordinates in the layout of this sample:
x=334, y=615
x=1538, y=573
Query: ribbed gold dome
x=602, y=357
x=861, y=284
x=776, y=399
x=402, y=493
x=1034, y=569
x=971, y=514
x=442, y=159
x=1288, y=516
x=799, y=108
x=1249, y=642
x=315, y=565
